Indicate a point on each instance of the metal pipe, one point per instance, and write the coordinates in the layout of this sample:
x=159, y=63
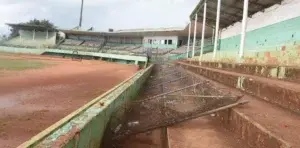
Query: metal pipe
x=204, y=96
x=244, y=26
x=195, y=34
x=189, y=40
x=179, y=120
x=203, y=31
x=217, y=29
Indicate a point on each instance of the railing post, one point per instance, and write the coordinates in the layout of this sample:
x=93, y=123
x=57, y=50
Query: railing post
x=203, y=31
x=217, y=29
x=189, y=40
x=243, y=32
x=195, y=34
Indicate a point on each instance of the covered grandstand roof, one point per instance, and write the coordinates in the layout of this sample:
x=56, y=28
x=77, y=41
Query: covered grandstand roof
x=31, y=27
x=231, y=10
x=144, y=32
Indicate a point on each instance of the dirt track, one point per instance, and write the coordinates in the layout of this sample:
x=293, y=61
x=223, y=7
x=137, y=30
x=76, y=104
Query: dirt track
x=32, y=100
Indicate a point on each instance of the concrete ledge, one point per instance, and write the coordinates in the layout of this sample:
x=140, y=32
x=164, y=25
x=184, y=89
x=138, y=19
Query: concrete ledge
x=255, y=123
x=250, y=131
x=277, y=94
x=61, y=51
x=287, y=73
x=85, y=127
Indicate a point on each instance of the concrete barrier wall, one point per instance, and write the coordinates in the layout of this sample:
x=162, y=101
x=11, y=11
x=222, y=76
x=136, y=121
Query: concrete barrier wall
x=136, y=59
x=85, y=127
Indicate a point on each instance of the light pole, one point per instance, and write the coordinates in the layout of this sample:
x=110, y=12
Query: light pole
x=81, y=10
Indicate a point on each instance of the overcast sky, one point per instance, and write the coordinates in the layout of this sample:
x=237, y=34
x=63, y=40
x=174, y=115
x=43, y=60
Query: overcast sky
x=101, y=14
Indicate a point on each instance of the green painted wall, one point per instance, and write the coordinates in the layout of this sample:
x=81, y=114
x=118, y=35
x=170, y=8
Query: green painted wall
x=277, y=44
x=85, y=127
x=266, y=38
x=206, y=49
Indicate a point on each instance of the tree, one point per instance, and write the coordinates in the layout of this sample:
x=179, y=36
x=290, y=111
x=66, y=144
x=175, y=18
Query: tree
x=46, y=23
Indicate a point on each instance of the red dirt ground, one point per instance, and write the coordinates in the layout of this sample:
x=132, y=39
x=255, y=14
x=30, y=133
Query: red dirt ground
x=32, y=100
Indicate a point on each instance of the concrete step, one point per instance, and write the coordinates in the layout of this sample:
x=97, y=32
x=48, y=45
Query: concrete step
x=202, y=133
x=282, y=93
x=281, y=72
x=260, y=123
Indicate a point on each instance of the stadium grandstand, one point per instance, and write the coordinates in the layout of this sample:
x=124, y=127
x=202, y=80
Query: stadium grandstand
x=222, y=35
x=160, y=41
x=241, y=52
x=250, y=31
x=32, y=36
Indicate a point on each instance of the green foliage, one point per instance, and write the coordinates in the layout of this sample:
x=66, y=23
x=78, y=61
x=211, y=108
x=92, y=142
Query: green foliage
x=44, y=22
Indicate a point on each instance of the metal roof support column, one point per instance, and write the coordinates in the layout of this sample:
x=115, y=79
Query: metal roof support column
x=33, y=35
x=244, y=27
x=213, y=34
x=203, y=31
x=217, y=29
x=195, y=34
x=47, y=35
x=189, y=40
x=20, y=36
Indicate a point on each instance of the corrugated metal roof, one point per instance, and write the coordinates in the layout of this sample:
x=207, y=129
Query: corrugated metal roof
x=143, y=32
x=231, y=10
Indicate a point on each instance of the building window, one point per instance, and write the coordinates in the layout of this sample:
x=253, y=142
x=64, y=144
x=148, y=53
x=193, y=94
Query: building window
x=166, y=42
x=170, y=42
x=162, y=42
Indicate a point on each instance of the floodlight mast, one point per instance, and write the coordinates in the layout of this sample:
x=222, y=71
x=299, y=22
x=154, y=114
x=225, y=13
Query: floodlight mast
x=81, y=11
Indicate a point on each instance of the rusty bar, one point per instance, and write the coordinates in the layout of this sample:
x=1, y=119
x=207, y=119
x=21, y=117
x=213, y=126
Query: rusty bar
x=202, y=96
x=179, y=120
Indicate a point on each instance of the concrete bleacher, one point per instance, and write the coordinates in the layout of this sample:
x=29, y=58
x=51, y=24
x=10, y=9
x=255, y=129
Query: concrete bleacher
x=80, y=48
x=181, y=49
x=273, y=114
x=72, y=42
x=30, y=39
x=140, y=50
x=161, y=51
x=92, y=43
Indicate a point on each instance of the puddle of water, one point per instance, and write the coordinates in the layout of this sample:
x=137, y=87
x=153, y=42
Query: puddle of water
x=6, y=102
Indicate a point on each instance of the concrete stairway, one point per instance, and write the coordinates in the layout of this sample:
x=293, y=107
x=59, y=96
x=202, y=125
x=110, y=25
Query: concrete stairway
x=271, y=119
x=202, y=132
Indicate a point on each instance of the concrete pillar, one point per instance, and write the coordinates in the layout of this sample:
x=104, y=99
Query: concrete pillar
x=189, y=40
x=217, y=29
x=244, y=27
x=203, y=30
x=195, y=35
